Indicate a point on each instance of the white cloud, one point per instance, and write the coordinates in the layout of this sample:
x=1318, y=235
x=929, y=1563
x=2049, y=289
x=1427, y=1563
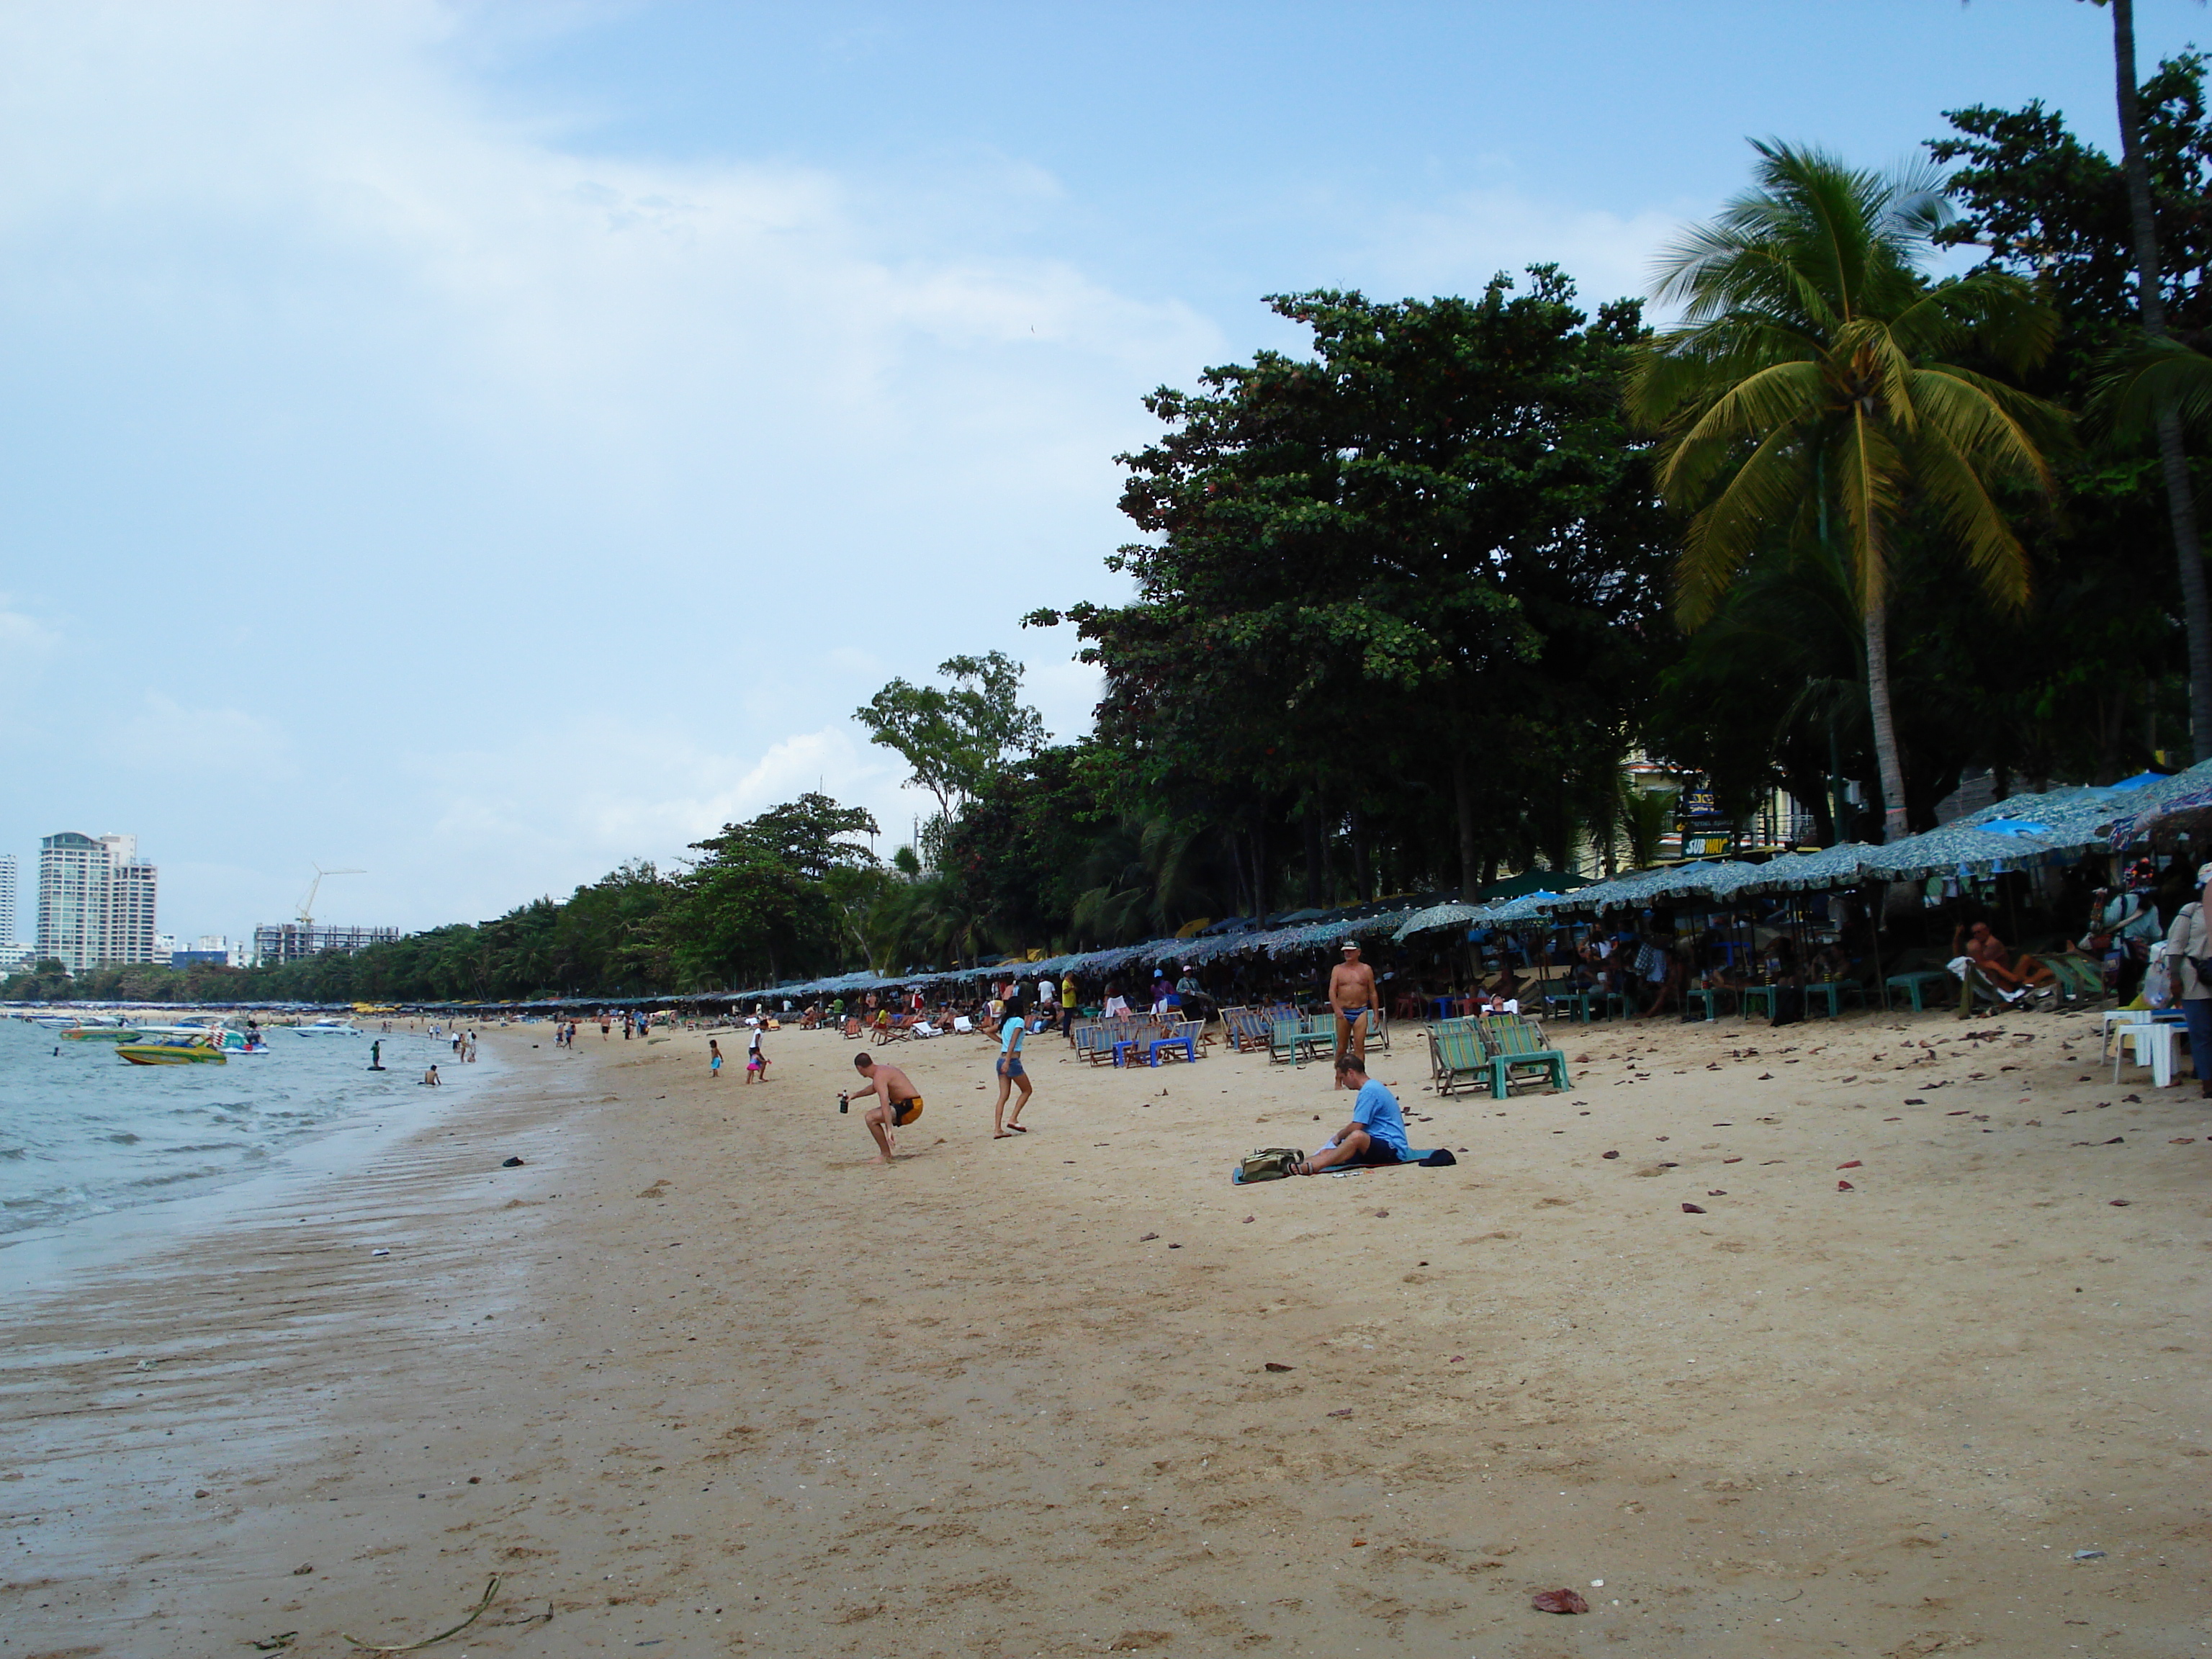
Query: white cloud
x=170, y=737
x=540, y=508
x=1457, y=244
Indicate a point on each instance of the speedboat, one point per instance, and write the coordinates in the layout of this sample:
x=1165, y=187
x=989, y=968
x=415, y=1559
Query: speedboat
x=327, y=1028
x=102, y=1033
x=217, y=1034
x=176, y=1047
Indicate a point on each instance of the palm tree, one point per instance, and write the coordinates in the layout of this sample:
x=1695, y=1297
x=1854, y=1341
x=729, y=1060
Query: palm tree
x=1812, y=389
x=2168, y=363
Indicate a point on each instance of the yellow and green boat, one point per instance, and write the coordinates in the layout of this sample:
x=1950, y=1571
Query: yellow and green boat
x=102, y=1034
x=176, y=1048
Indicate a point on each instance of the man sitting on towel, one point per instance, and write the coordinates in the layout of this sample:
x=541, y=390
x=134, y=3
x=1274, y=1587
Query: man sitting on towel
x=1377, y=1134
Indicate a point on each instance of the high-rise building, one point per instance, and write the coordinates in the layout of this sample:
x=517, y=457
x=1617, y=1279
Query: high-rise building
x=288, y=941
x=9, y=900
x=96, y=901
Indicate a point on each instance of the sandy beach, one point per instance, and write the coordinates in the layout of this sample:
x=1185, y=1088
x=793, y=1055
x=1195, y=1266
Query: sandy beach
x=699, y=1377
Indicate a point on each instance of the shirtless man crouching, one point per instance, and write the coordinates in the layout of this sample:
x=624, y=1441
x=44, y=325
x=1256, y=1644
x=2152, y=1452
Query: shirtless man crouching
x=1352, y=994
x=898, y=1101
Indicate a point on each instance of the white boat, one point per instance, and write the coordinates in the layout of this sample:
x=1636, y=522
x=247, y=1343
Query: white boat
x=327, y=1028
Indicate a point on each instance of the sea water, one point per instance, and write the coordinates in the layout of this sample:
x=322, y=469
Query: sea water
x=84, y=1133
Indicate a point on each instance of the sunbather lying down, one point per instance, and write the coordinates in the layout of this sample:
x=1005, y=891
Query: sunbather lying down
x=1987, y=949
x=1377, y=1134
x=1963, y=966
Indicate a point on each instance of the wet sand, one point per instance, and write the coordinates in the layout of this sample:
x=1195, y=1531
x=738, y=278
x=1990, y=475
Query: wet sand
x=699, y=1377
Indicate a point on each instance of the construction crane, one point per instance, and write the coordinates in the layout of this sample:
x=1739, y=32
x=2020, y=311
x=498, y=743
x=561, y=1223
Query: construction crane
x=307, y=903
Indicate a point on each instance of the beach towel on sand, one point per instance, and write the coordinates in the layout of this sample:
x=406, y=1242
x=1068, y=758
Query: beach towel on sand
x=1435, y=1158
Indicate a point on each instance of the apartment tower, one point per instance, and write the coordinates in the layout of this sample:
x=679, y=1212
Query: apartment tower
x=95, y=901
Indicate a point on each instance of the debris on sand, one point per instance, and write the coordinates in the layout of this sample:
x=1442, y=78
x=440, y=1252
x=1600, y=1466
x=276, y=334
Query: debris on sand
x=490, y=1590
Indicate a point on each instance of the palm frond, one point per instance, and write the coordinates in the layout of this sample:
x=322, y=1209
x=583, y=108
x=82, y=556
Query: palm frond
x=1782, y=398
x=1955, y=485
x=1868, y=484
x=2139, y=384
x=2003, y=317
x=1722, y=536
x=1997, y=429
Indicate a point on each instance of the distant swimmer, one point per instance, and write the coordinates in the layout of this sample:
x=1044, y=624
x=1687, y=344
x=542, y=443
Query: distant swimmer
x=898, y=1101
x=430, y=1078
x=376, y=1056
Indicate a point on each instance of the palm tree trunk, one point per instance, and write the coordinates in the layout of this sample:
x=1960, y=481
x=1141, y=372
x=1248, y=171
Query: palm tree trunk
x=2173, y=462
x=1885, y=725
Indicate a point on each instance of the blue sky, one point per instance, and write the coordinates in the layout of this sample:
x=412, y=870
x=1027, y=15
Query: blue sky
x=481, y=443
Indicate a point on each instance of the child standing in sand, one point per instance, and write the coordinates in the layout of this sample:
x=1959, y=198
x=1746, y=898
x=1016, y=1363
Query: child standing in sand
x=755, y=1061
x=714, y=1059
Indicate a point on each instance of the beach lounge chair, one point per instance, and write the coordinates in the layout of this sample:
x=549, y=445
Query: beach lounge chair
x=962, y=1024
x=1250, y=1031
x=1517, y=1048
x=1459, y=1056
x=1977, y=992
x=1176, y=1040
x=1297, y=1038
x=2079, y=978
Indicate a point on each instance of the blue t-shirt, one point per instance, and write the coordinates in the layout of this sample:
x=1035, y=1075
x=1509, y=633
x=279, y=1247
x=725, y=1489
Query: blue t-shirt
x=1376, y=1112
x=1016, y=1030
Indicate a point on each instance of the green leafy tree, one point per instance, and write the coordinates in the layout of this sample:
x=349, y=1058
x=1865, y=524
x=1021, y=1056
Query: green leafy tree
x=1430, y=546
x=2038, y=202
x=2165, y=411
x=1816, y=391
x=47, y=980
x=760, y=901
x=956, y=738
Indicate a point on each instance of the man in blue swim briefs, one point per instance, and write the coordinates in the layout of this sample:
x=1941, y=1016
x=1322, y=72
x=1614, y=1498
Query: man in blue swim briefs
x=1010, y=1074
x=898, y=1101
x=1377, y=1134
x=1352, y=993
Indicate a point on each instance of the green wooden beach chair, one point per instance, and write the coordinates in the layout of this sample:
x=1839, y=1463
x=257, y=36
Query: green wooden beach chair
x=1297, y=1039
x=1461, y=1057
x=2080, y=979
x=1516, y=1046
